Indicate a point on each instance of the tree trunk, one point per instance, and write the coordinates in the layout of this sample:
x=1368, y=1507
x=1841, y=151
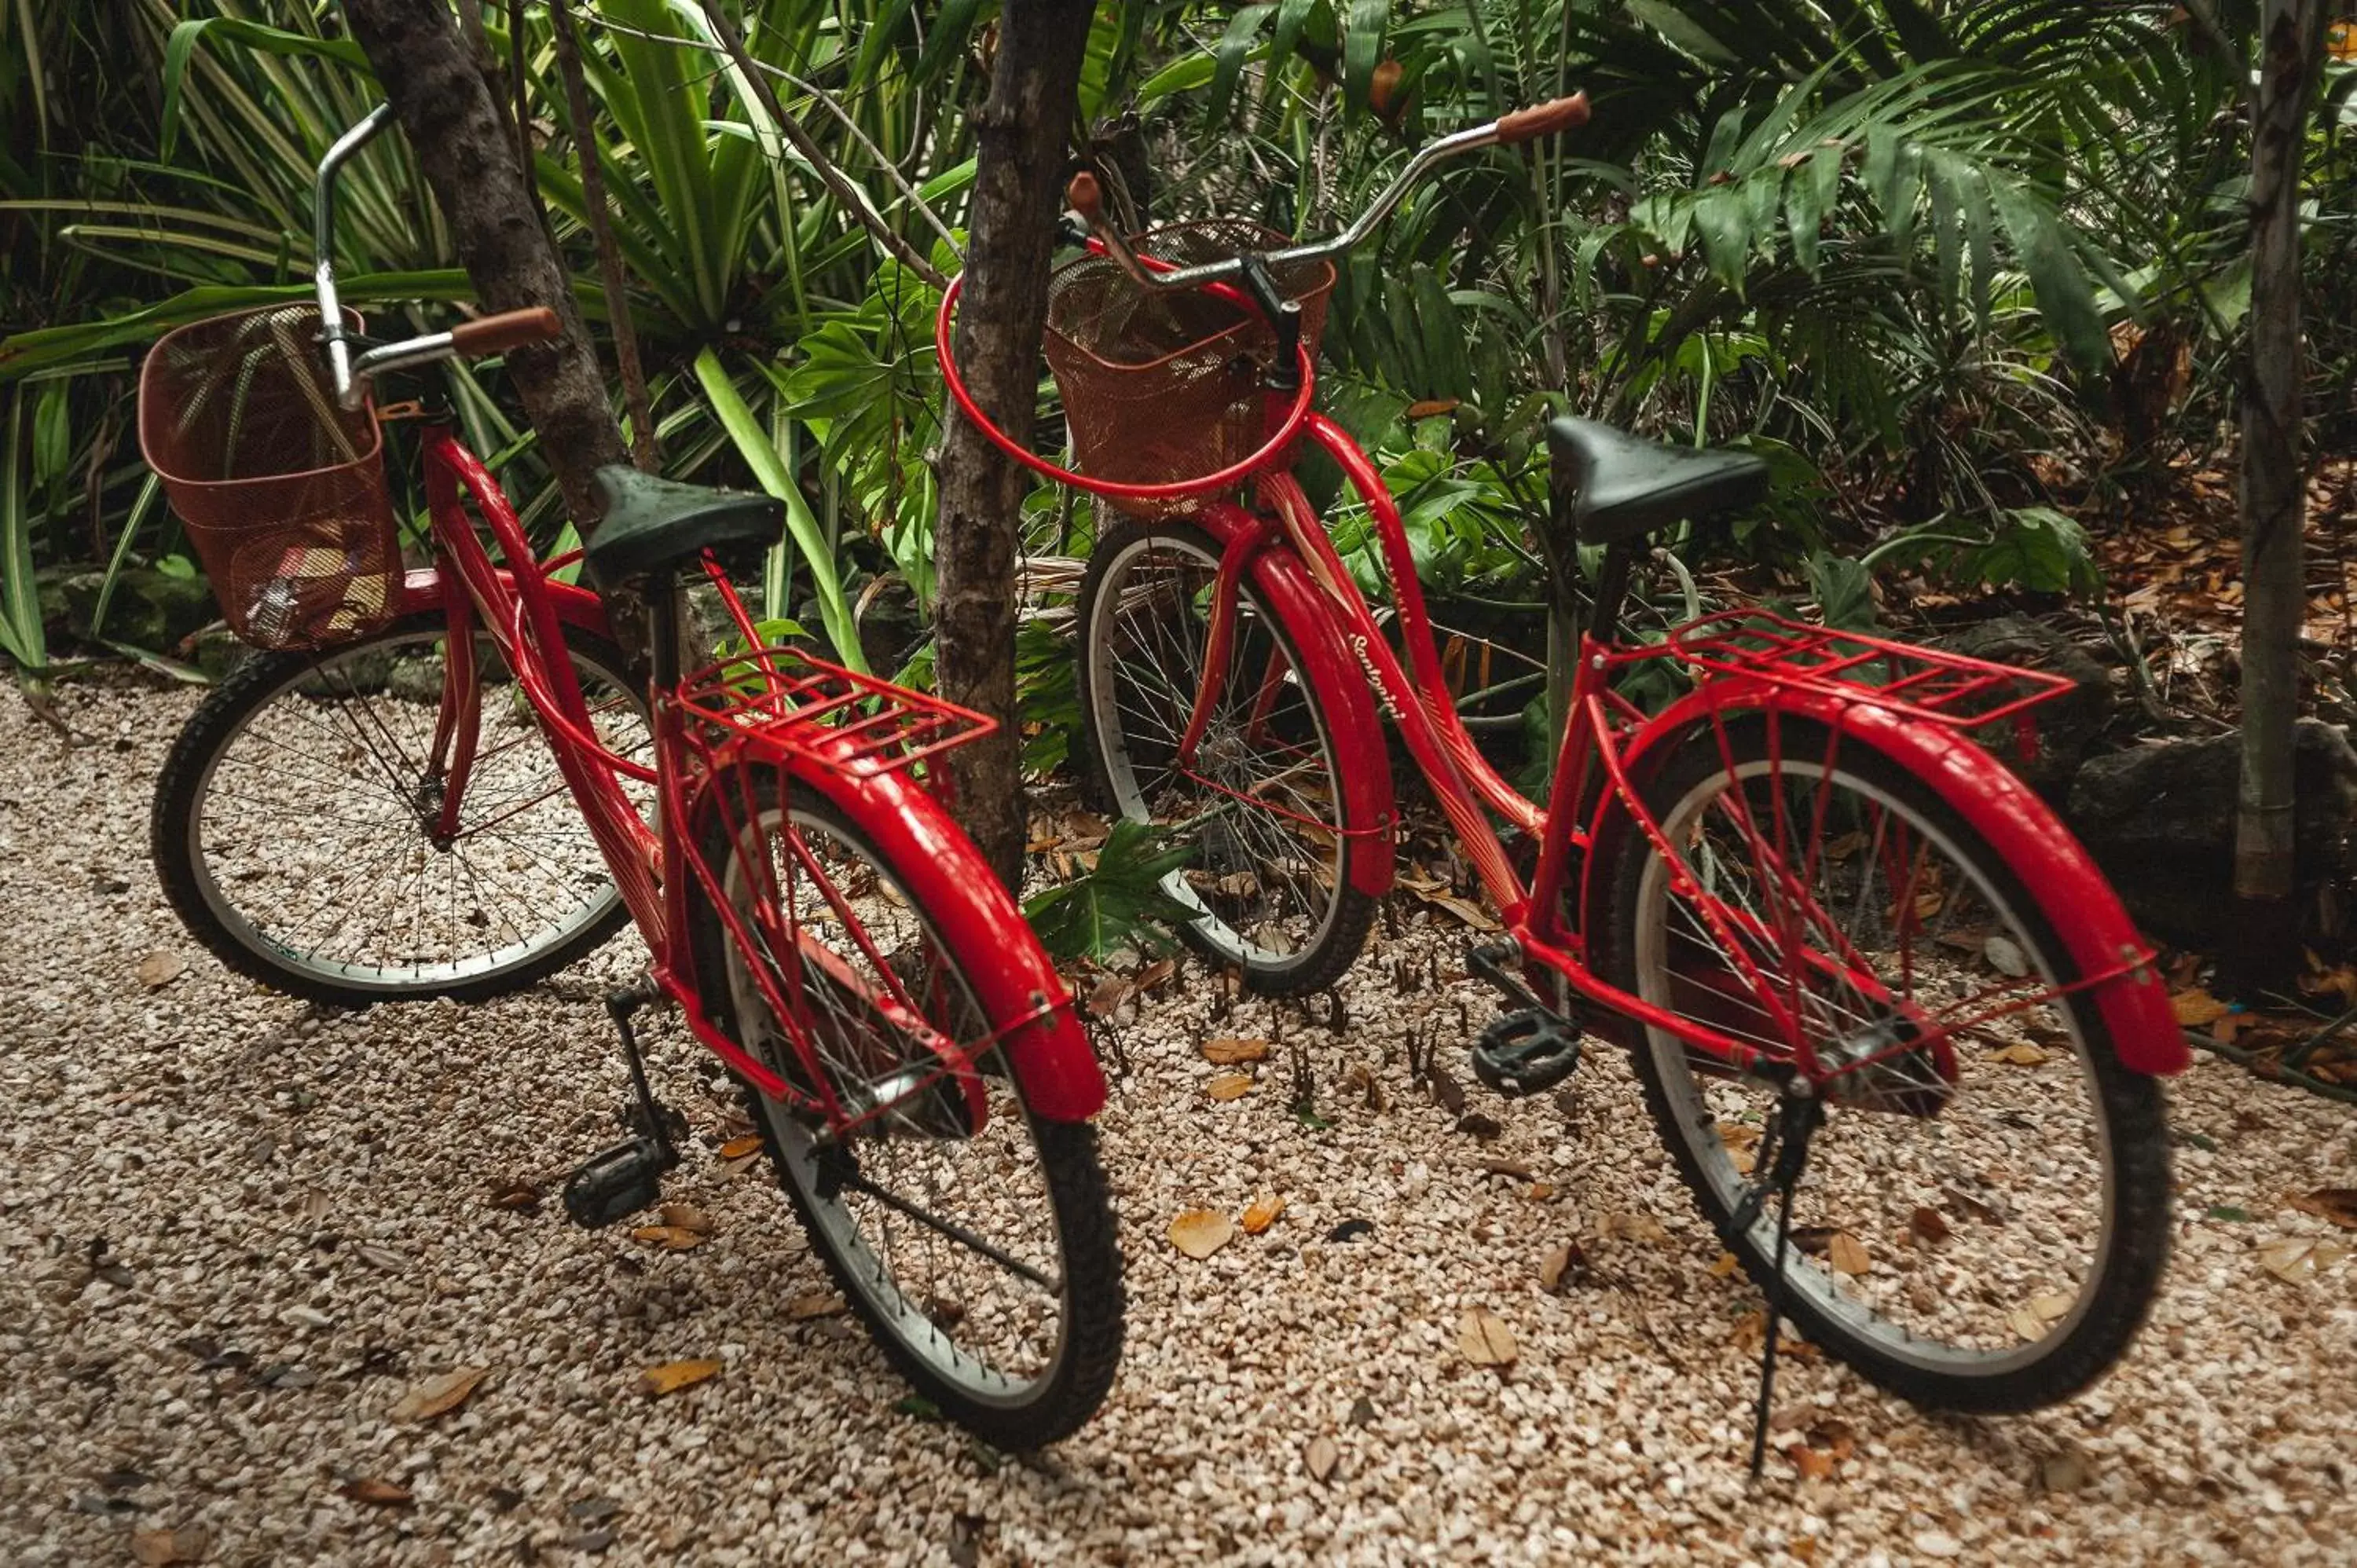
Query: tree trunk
x=446, y=110
x=1018, y=182
x=2264, y=942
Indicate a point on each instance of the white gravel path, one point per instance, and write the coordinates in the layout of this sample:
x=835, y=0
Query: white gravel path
x=233, y=1234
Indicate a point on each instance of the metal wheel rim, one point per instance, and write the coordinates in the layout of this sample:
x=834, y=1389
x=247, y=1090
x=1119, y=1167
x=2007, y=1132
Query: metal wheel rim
x=837, y=1229
x=1129, y=799
x=1695, y=1120
x=389, y=981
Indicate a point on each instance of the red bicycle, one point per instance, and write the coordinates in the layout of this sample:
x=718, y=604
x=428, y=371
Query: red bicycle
x=440, y=781
x=1861, y=971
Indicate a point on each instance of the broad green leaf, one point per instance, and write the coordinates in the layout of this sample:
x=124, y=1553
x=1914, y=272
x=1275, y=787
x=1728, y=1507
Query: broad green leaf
x=1228, y=59
x=752, y=444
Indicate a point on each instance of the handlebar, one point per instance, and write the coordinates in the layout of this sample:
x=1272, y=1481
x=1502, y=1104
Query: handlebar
x=1087, y=199
x=349, y=372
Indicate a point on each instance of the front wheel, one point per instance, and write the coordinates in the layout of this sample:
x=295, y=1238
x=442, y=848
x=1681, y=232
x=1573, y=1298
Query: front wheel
x=294, y=825
x=973, y=1237
x=1982, y=1218
x=1262, y=804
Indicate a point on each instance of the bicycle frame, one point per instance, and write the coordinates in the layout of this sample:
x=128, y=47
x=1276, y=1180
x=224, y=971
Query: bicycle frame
x=1601, y=760
x=524, y=608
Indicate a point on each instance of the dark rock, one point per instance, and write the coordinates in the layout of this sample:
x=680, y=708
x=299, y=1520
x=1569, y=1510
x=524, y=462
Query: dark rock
x=2160, y=820
x=1350, y=1231
x=2067, y=725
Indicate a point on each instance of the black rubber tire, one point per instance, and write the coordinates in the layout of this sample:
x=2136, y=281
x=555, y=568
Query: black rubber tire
x=1318, y=964
x=258, y=679
x=2130, y=1103
x=1094, y=1299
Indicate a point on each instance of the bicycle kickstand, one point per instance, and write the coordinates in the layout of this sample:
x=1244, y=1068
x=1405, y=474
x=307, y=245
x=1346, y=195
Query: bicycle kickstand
x=1797, y=1120
x=618, y=1182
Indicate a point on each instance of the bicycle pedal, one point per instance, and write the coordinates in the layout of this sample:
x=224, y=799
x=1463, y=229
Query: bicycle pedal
x=1526, y=1052
x=615, y=1183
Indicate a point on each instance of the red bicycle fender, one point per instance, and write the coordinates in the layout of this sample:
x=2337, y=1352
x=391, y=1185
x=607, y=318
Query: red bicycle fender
x=2072, y=893
x=576, y=606
x=1336, y=679
x=974, y=915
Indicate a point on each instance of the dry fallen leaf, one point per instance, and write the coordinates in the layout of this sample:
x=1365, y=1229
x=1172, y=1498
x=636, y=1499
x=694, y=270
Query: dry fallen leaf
x=1465, y=910
x=1727, y=1263
x=1155, y=973
x=1483, y=1338
x=1564, y=1264
x=2006, y=956
x=673, y=1376
x=1633, y=1228
x=160, y=1548
x=816, y=1303
x=1234, y=1053
x=1110, y=992
x=1928, y=1226
x=1847, y=1254
x=1813, y=1465
x=439, y=1395
x=2195, y=1008
x=669, y=1237
x=1262, y=1215
x=738, y=1148
x=2026, y=1325
x=160, y=968
x=1321, y=1458
x=2295, y=1257
x=687, y=1217
x=2023, y=1054
x=1230, y=1086
x=1199, y=1232
x=2337, y=1204
x=384, y=1494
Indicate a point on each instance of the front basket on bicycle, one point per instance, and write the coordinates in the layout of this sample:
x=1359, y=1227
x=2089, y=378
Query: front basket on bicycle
x=1163, y=388
x=283, y=491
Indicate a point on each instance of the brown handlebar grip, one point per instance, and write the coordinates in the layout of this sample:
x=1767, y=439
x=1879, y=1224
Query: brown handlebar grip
x=1543, y=120
x=1087, y=197
x=508, y=329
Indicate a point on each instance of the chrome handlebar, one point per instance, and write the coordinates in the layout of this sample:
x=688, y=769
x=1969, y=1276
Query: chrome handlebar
x=1544, y=119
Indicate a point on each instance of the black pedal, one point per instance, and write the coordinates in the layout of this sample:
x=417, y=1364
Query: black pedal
x=1526, y=1052
x=617, y=1183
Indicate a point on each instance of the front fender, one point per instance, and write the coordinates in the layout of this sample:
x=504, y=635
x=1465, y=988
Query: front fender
x=1340, y=685
x=2060, y=877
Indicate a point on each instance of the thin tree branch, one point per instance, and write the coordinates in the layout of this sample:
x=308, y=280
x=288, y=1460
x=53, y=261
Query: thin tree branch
x=804, y=142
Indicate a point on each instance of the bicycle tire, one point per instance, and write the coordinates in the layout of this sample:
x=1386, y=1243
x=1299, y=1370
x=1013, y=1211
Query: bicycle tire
x=254, y=702
x=1058, y=1399
x=2126, y=1109
x=1333, y=926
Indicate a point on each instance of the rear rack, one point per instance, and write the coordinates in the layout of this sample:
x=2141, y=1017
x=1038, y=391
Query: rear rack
x=1951, y=689
x=777, y=704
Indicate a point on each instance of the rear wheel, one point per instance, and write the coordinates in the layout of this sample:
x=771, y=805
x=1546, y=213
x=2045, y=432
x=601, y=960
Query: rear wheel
x=1262, y=807
x=1982, y=1218
x=293, y=827
x=984, y=1262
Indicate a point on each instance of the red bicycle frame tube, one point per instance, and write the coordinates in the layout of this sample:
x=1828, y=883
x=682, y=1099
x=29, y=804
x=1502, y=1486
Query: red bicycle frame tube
x=524, y=612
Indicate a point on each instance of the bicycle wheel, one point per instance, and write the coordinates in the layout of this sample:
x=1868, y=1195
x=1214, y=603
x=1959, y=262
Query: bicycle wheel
x=1261, y=808
x=983, y=1263
x=292, y=824
x=1982, y=1218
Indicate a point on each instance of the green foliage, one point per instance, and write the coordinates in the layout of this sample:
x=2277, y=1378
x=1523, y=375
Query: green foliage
x=1119, y=903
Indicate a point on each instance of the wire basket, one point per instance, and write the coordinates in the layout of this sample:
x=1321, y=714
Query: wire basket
x=1162, y=387
x=282, y=491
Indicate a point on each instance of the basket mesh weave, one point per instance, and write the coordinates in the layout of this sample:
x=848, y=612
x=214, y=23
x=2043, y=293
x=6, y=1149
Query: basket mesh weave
x=1163, y=388
x=282, y=491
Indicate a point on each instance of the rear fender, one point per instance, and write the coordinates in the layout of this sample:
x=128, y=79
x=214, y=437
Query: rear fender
x=977, y=918
x=2071, y=892
x=1337, y=679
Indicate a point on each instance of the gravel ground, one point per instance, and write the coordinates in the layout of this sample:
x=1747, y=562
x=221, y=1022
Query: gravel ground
x=235, y=1233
